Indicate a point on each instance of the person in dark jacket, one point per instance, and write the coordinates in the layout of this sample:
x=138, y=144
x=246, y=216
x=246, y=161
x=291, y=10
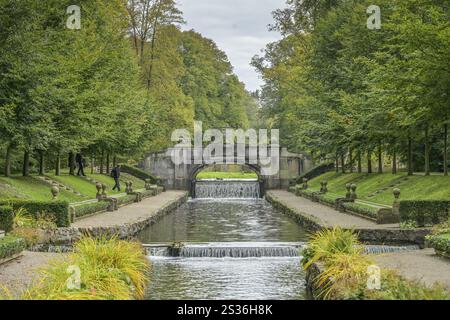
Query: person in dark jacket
x=115, y=173
x=80, y=162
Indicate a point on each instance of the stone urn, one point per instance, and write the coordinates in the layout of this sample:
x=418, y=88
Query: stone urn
x=348, y=195
x=104, y=195
x=397, y=193
x=98, y=185
x=55, y=191
x=353, y=195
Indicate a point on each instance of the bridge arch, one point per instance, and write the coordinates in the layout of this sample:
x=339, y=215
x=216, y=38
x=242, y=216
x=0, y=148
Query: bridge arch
x=180, y=176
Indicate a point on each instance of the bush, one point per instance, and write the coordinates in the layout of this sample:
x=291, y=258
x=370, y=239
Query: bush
x=11, y=245
x=110, y=269
x=440, y=243
x=90, y=208
x=59, y=210
x=424, y=212
x=6, y=218
x=138, y=173
x=361, y=209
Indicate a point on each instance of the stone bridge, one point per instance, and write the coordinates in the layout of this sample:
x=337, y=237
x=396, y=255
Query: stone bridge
x=183, y=176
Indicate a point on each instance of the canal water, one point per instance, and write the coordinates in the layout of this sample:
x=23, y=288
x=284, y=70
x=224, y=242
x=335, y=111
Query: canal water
x=232, y=249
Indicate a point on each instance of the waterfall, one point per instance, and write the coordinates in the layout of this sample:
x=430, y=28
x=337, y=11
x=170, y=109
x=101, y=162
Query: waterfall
x=227, y=189
x=229, y=250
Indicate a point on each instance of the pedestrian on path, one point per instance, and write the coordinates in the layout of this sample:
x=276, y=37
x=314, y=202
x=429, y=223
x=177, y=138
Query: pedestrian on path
x=115, y=173
x=80, y=162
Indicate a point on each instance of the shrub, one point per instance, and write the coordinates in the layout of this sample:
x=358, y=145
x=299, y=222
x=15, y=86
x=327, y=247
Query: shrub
x=59, y=210
x=361, y=209
x=441, y=243
x=109, y=269
x=11, y=245
x=424, y=212
x=90, y=208
x=6, y=218
x=324, y=244
x=138, y=173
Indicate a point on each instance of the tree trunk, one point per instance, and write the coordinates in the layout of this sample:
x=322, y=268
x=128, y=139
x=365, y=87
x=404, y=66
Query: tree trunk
x=41, y=163
x=58, y=166
x=350, y=154
x=8, y=161
x=343, y=162
x=446, y=150
x=380, y=159
x=71, y=164
x=107, y=163
x=26, y=164
x=410, y=157
x=92, y=164
x=359, y=162
x=427, y=152
x=101, y=162
x=394, y=162
x=337, y=163
x=369, y=162
x=114, y=161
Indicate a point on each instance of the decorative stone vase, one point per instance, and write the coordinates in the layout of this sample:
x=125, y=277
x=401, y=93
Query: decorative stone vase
x=148, y=184
x=397, y=193
x=348, y=195
x=396, y=205
x=98, y=185
x=55, y=192
x=353, y=195
x=104, y=195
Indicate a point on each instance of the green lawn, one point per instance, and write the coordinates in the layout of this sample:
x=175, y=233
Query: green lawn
x=31, y=188
x=226, y=175
x=435, y=187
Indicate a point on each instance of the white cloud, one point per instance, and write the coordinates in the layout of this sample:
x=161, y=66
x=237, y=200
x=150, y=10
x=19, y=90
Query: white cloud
x=239, y=27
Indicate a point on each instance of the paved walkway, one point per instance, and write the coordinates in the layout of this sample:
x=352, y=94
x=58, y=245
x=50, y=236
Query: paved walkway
x=328, y=217
x=131, y=213
x=422, y=265
x=20, y=273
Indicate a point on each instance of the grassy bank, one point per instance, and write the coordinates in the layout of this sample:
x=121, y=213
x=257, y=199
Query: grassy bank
x=378, y=188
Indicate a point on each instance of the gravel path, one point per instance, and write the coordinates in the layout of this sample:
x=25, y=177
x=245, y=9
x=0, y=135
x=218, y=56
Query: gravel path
x=326, y=215
x=18, y=274
x=131, y=213
x=422, y=265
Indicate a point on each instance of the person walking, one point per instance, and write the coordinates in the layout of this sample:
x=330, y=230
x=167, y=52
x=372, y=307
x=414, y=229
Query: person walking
x=80, y=162
x=115, y=173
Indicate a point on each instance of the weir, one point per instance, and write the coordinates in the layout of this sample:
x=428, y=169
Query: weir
x=227, y=189
x=226, y=250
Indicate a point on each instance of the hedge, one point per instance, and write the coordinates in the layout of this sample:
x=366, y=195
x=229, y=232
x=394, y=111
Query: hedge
x=58, y=209
x=10, y=246
x=6, y=218
x=138, y=173
x=90, y=208
x=441, y=243
x=361, y=209
x=424, y=212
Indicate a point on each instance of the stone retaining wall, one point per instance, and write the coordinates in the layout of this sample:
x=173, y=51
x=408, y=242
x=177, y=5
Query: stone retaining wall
x=65, y=237
x=374, y=236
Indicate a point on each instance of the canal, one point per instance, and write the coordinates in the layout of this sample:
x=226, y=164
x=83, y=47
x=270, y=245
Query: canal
x=234, y=249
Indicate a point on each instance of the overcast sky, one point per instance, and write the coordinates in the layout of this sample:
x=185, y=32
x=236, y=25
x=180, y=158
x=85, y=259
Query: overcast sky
x=239, y=27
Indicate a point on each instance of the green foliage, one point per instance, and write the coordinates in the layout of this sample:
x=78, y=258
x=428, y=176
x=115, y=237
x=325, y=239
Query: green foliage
x=345, y=272
x=110, y=270
x=362, y=209
x=11, y=245
x=424, y=212
x=6, y=218
x=90, y=208
x=315, y=172
x=58, y=210
x=441, y=243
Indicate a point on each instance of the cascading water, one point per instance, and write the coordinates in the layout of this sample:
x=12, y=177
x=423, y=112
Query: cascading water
x=228, y=250
x=227, y=189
